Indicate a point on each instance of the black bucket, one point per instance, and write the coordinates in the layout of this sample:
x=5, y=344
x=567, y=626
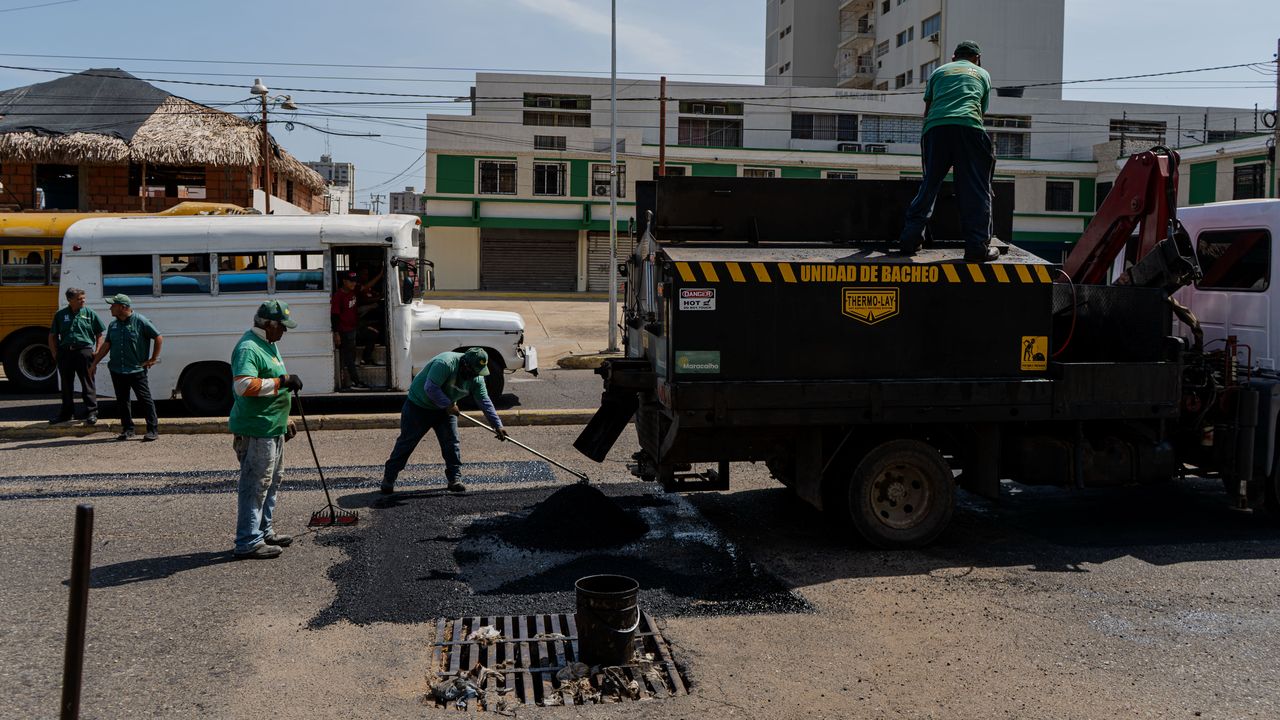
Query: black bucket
x=607, y=618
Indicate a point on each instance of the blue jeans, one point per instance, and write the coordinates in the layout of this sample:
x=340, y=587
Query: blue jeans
x=261, y=466
x=415, y=422
x=971, y=153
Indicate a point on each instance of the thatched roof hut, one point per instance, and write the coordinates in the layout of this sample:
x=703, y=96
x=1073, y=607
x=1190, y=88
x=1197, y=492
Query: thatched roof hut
x=109, y=117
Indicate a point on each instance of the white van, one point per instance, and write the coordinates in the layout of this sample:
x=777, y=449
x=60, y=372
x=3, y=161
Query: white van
x=200, y=280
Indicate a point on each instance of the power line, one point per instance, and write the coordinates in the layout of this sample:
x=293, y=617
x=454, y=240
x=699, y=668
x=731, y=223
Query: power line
x=41, y=5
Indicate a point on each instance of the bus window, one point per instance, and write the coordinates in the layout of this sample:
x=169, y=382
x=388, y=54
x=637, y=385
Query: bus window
x=242, y=273
x=299, y=271
x=184, y=274
x=22, y=267
x=55, y=266
x=128, y=274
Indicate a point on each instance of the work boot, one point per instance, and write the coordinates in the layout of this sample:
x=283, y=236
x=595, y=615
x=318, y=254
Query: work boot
x=982, y=256
x=456, y=486
x=92, y=419
x=128, y=434
x=387, y=487
x=278, y=540
x=151, y=435
x=59, y=419
x=261, y=551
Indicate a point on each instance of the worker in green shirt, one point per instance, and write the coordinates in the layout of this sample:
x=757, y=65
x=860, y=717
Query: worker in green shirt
x=259, y=422
x=73, y=340
x=134, y=344
x=432, y=405
x=955, y=101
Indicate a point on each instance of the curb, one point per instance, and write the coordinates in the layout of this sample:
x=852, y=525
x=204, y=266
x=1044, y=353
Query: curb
x=585, y=362
x=22, y=430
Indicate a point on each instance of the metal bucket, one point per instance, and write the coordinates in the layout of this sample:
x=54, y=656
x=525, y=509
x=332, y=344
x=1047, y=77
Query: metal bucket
x=607, y=618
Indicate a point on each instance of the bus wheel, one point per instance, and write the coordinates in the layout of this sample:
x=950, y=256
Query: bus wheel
x=901, y=495
x=206, y=389
x=28, y=363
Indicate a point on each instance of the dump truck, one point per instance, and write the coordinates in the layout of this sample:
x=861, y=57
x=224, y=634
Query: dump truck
x=767, y=322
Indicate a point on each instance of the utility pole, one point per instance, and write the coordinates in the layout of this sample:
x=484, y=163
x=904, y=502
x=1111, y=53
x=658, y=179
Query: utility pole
x=662, y=126
x=266, y=154
x=1275, y=127
x=375, y=201
x=613, y=178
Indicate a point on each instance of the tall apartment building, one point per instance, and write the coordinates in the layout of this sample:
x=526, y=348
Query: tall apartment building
x=336, y=173
x=897, y=44
x=408, y=202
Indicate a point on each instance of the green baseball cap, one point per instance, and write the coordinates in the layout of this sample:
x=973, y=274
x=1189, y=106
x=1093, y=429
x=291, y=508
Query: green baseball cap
x=278, y=311
x=968, y=48
x=120, y=299
x=477, y=360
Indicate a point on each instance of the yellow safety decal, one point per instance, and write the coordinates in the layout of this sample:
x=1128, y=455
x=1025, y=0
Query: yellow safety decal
x=869, y=305
x=762, y=273
x=1023, y=273
x=1043, y=274
x=975, y=272
x=735, y=272
x=787, y=275
x=686, y=273
x=1001, y=275
x=709, y=270
x=950, y=272
x=1035, y=352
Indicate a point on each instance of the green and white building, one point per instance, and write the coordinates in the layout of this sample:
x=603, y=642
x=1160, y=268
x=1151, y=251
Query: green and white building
x=517, y=193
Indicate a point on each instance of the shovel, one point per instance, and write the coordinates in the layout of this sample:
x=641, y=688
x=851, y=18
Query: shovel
x=581, y=477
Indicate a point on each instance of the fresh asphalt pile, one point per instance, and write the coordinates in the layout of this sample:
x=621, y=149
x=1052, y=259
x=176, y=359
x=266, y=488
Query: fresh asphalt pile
x=417, y=556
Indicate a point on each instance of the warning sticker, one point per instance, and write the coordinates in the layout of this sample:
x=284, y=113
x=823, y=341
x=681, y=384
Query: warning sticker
x=697, y=298
x=1035, y=352
x=869, y=305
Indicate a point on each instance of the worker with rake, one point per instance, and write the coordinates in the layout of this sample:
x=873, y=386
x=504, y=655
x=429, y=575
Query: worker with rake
x=432, y=405
x=260, y=424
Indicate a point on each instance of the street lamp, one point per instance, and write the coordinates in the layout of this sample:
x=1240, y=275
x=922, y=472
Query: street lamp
x=286, y=103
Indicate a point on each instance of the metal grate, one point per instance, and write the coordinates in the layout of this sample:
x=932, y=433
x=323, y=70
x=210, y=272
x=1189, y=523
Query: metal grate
x=527, y=660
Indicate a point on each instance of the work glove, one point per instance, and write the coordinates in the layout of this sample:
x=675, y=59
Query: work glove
x=292, y=382
x=501, y=434
x=453, y=409
x=290, y=431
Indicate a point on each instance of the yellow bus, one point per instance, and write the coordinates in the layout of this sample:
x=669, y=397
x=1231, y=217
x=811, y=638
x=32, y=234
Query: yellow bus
x=30, y=264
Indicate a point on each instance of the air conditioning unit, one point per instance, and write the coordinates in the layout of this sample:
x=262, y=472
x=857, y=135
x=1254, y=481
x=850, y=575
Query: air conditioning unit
x=875, y=148
x=935, y=37
x=698, y=109
x=849, y=147
x=719, y=109
x=600, y=189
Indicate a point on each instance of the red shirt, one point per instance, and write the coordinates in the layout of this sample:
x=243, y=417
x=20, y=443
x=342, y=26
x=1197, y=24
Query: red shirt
x=342, y=308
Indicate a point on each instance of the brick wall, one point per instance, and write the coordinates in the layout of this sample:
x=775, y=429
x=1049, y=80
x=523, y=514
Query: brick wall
x=19, y=184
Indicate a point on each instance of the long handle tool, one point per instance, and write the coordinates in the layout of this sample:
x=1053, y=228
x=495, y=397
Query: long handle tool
x=581, y=478
x=331, y=514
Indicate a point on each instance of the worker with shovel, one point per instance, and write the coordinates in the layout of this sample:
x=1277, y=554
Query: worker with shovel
x=432, y=405
x=259, y=420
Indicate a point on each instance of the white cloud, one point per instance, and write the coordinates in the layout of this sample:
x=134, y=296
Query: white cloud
x=632, y=37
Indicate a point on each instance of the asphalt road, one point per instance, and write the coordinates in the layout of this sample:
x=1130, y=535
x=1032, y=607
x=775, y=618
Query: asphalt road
x=553, y=388
x=1158, y=602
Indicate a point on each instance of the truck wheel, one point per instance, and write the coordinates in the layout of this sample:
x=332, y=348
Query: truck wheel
x=206, y=389
x=901, y=495
x=496, y=381
x=28, y=363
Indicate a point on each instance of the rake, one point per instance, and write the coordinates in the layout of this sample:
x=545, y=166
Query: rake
x=581, y=477
x=330, y=515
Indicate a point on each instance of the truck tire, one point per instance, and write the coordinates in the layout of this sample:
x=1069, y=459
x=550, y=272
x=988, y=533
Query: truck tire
x=496, y=381
x=901, y=495
x=206, y=389
x=28, y=364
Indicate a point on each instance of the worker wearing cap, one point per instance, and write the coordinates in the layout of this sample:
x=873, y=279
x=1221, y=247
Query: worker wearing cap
x=260, y=424
x=432, y=405
x=343, y=320
x=955, y=100
x=73, y=339
x=134, y=344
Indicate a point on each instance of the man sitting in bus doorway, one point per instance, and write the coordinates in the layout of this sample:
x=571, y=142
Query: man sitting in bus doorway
x=73, y=339
x=432, y=405
x=260, y=424
x=343, y=320
x=130, y=338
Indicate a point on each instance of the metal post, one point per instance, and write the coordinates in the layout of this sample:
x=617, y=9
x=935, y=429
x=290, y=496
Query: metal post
x=662, y=126
x=613, y=178
x=266, y=160
x=1275, y=148
x=77, y=613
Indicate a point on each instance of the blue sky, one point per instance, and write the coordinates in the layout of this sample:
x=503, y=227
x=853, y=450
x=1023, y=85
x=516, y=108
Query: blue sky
x=1104, y=38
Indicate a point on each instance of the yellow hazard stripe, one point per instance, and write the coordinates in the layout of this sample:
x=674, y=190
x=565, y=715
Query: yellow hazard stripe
x=975, y=272
x=1001, y=274
x=1023, y=273
x=709, y=270
x=686, y=273
x=950, y=272
x=735, y=272
x=787, y=275
x=1043, y=274
x=762, y=273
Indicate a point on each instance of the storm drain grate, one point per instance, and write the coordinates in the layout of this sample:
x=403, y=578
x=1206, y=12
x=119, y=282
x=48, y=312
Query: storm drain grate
x=533, y=660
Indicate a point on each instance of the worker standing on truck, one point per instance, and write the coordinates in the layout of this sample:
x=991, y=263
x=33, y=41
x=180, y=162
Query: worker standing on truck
x=955, y=100
x=432, y=405
x=260, y=426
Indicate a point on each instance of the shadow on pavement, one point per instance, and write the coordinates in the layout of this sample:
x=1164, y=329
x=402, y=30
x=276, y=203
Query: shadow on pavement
x=132, y=571
x=76, y=441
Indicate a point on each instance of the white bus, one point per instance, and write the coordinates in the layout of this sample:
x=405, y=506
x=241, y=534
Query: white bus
x=201, y=279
